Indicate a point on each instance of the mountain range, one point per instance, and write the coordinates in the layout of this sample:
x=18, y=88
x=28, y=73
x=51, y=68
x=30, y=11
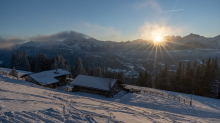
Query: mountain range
x=190, y=41
x=129, y=56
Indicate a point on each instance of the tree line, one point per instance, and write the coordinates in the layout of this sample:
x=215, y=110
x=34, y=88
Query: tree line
x=40, y=62
x=199, y=79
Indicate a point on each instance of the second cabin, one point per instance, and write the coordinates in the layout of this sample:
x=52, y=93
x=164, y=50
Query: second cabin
x=97, y=85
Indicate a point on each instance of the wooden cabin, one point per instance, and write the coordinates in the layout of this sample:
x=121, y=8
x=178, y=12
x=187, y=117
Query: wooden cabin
x=51, y=78
x=98, y=85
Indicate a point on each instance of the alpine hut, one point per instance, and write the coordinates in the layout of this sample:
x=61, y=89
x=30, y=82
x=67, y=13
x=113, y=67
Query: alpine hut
x=97, y=85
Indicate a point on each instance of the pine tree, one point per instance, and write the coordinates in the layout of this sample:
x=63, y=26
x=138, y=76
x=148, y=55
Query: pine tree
x=72, y=71
x=106, y=73
x=115, y=75
x=203, y=67
x=79, y=70
x=157, y=82
x=121, y=76
x=93, y=71
x=147, y=79
x=13, y=61
x=14, y=72
x=41, y=62
x=214, y=77
x=194, y=67
x=32, y=62
x=103, y=71
x=61, y=62
x=197, y=87
x=99, y=72
x=67, y=65
x=171, y=78
x=27, y=66
x=207, y=83
x=20, y=61
x=194, y=70
x=178, y=78
x=188, y=81
x=140, y=79
x=164, y=83
x=54, y=64
x=88, y=70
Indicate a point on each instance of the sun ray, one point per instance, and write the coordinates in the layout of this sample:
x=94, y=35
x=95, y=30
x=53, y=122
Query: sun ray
x=169, y=47
x=161, y=53
x=155, y=58
x=151, y=51
x=148, y=48
x=169, y=54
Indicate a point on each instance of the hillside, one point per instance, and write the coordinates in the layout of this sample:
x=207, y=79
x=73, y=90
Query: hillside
x=21, y=101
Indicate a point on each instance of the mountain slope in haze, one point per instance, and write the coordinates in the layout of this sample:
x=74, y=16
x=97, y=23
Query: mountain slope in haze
x=193, y=41
x=22, y=101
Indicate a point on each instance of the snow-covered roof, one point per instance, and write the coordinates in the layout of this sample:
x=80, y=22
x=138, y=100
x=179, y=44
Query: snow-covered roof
x=20, y=72
x=94, y=82
x=47, y=77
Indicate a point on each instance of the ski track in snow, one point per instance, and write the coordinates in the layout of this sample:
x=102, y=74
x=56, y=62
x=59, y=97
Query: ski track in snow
x=24, y=102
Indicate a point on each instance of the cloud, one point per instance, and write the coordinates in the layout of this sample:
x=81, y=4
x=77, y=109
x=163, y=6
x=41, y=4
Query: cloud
x=154, y=5
x=60, y=36
x=6, y=43
x=151, y=30
x=100, y=32
x=172, y=10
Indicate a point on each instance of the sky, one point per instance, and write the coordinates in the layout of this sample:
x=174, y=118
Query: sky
x=115, y=20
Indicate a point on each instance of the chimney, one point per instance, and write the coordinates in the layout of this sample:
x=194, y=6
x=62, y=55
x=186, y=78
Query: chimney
x=56, y=72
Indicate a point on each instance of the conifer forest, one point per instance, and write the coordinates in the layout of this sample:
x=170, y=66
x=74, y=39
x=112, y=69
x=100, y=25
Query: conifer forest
x=194, y=78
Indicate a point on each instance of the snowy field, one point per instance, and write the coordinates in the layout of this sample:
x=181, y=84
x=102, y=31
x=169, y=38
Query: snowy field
x=22, y=101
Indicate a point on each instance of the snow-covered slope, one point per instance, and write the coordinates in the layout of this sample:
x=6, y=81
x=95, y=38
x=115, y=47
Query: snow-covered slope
x=90, y=44
x=41, y=44
x=21, y=101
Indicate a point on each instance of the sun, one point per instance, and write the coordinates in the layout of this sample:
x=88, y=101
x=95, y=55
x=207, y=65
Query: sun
x=157, y=39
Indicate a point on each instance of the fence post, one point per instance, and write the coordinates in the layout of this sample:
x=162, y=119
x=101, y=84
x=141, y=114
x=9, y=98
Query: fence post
x=184, y=101
x=191, y=100
x=191, y=96
x=179, y=99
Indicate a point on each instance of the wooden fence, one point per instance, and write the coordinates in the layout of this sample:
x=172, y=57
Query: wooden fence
x=180, y=99
x=165, y=95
